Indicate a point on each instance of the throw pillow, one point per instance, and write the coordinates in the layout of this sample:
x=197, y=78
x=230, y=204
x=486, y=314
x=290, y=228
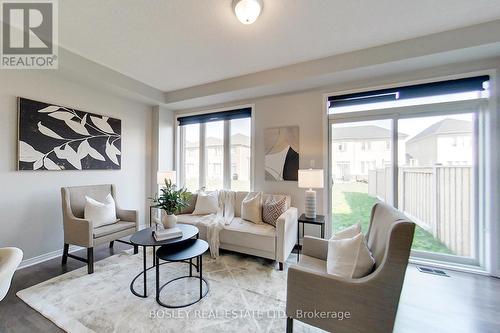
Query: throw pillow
x=272, y=210
x=349, y=257
x=206, y=203
x=251, y=207
x=100, y=213
x=348, y=232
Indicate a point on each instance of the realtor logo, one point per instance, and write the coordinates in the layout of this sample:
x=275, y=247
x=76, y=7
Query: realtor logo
x=29, y=34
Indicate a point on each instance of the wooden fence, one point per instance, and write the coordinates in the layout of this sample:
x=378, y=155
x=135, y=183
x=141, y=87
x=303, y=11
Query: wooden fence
x=439, y=199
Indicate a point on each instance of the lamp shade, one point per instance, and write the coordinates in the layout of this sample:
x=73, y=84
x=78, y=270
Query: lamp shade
x=162, y=175
x=311, y=178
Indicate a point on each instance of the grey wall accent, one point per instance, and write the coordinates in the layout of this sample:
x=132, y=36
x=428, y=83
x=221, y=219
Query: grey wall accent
x=30, y=202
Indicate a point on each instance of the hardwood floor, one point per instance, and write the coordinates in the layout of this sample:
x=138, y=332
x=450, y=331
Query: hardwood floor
x=429, y=303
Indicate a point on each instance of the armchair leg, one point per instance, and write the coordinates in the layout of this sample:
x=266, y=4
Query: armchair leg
x=90, y=260
x=136, y=249
x=280, y=266
x=289, y=325
x=111, y=244
x=65, y=254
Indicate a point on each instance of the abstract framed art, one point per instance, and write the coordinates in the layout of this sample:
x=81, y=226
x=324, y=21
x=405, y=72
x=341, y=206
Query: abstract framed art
x=282, y=153
x=53, y=137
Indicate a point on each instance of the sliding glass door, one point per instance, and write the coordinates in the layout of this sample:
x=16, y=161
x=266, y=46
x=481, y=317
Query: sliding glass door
x=424, y=159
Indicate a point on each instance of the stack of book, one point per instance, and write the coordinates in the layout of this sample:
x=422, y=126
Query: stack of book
x=165, y=234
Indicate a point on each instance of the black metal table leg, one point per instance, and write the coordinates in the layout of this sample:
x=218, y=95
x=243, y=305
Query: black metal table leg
x=190, y=267
x=201, y=277
x=154, y=255
x=298, y=242
x=144, y=270
x=157, y=260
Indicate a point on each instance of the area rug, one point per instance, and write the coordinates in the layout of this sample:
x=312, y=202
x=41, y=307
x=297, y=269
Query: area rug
x=246, y=294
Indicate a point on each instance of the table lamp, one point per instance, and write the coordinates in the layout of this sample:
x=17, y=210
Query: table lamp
x=311, y=178
x=166, y=174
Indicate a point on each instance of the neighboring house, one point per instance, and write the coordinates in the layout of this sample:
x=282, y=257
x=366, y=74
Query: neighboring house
x=240, y=158
x=448, y=142
x=358, y=149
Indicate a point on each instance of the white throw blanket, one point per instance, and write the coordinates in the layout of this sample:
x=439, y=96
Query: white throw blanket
x=216, y=222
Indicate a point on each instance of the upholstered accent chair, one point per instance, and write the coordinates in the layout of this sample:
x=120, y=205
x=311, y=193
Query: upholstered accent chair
x=10, y=258
x=371, y=301
x=78, y=231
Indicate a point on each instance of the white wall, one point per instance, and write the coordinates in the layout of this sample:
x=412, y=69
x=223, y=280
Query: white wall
x=305, y=110
x=30, y=203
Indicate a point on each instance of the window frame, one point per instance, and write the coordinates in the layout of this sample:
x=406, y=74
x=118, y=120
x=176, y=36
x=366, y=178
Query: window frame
x=227, y=174
x=482, y=108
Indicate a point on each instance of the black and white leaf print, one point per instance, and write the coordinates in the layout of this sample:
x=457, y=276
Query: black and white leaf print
x=47, y=131
x=27, y=153
x=54, y=137
x=50, y=165
x=77, y=127
x=102, y=124
x=112, y=152
x=62, y=115
x=50, y=108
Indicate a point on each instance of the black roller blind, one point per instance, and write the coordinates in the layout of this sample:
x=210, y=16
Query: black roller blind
x=413, y=91
x=215, y=116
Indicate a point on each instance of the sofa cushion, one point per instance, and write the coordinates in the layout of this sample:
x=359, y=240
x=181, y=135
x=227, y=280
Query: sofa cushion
x=100, y=213
x=247, y=234
x=349, y=257
x=251, y=207
x=112, y=228
x=206, y=203
x=191, y=204
x=239, y=197
x=272, y=210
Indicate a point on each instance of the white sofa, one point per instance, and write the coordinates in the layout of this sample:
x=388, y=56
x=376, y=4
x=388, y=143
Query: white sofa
x=262, y=240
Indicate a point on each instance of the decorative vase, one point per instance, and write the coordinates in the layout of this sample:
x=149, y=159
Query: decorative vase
x=169, y=220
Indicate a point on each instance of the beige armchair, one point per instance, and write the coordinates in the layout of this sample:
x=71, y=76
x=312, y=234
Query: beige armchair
x=78, y=231
x=368, y=304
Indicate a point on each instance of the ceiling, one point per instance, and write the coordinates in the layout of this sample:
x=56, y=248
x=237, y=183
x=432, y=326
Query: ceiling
x=174, y=44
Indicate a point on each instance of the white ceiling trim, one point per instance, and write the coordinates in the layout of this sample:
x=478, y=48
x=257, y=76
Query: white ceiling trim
x=474, y=42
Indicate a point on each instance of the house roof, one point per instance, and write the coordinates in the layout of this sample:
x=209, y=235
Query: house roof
x=368, y=132
x=445, y=126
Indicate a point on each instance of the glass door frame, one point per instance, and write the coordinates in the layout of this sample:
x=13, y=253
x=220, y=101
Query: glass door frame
x=476, y=107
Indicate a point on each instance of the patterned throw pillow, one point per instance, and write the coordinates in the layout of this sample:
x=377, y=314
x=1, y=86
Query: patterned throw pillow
x=272, y=210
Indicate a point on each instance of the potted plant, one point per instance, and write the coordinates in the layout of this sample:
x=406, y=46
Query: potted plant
x=171, y=200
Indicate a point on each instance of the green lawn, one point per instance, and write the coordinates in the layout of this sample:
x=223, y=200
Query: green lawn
x=359, y=207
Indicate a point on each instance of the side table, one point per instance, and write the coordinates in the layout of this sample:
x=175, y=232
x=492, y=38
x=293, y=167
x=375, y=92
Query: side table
x=319, y=220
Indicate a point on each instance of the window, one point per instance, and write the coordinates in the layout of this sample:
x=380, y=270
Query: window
x=214, y=145
x=191, y=156
x=435, y=174
x=215, y=150
x=366, y=145
x=240, y=154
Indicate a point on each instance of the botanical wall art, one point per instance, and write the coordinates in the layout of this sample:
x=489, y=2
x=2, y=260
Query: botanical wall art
x=53, y=137
x=282, y=153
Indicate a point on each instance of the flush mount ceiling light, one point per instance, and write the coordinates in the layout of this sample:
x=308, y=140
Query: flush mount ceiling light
x=247, y=11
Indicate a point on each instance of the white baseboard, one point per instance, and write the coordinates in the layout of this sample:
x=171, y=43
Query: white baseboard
x=47, y=256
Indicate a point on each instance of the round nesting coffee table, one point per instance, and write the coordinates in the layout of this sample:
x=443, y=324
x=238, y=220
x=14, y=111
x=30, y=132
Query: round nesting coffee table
x=182, y=252
x=145, y=238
